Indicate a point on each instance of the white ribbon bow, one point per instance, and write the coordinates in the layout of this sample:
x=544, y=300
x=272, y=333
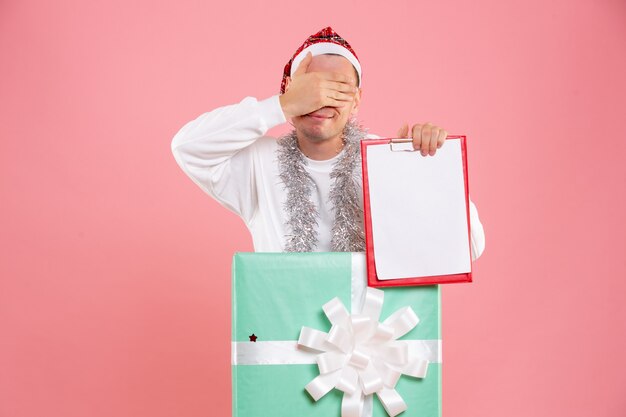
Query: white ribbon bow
x=361, y=356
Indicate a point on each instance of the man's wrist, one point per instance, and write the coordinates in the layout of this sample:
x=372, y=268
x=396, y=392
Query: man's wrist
x=284, y=107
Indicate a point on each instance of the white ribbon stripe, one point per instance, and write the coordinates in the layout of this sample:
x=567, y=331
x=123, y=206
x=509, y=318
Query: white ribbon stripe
x=286, y=352
x=361, y=356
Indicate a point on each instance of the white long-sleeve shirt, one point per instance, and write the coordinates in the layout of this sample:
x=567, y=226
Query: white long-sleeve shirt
x=226, y=153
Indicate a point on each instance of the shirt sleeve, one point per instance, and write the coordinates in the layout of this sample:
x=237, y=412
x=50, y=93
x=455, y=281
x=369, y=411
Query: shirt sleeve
x=477, y=232
x=216, y=151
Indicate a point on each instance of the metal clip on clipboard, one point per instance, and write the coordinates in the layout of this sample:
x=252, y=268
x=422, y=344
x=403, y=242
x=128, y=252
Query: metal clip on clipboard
x=401, y=145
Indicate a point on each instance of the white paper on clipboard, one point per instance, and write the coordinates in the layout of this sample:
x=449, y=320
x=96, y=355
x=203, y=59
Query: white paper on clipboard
x=419, y=213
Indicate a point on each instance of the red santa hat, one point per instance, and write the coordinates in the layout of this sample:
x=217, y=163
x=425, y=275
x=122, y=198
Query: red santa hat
x=326, y=41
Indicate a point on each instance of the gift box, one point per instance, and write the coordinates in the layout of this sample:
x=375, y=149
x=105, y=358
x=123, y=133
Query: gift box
x=309, y=338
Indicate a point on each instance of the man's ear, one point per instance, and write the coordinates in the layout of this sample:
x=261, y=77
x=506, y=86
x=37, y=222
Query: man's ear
x=287, y=82
x=357, y=102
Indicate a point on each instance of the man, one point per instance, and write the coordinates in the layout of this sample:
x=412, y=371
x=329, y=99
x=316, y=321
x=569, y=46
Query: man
x=303, y=191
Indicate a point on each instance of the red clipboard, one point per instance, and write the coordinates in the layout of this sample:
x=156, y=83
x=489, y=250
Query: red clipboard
x=372, y=276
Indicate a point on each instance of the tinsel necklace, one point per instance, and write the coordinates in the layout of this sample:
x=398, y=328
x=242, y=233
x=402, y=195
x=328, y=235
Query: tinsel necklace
x=303, y=215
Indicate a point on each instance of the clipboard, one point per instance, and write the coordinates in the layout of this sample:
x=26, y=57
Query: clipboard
x=426, y=250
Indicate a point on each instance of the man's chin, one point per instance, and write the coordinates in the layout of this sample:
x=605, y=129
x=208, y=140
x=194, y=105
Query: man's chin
x=317, y=130
x=314, y=135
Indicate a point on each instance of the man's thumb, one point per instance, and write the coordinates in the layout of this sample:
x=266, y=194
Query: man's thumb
x=403, y=132
x=304, y=64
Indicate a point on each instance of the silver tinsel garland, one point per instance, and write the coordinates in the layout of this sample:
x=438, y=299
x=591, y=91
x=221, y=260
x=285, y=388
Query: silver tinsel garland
x=347, y=231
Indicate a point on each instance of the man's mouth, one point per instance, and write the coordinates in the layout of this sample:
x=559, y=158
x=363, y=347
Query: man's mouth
x=323, y=113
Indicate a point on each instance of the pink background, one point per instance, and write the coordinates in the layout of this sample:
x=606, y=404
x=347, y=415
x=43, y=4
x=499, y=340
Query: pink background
x=115, y=282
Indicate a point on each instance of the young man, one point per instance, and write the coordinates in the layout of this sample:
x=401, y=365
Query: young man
x=301, y=192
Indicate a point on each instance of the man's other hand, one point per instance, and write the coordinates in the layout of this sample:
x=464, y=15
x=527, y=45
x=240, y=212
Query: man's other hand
x=427, y=138
x=307, y=92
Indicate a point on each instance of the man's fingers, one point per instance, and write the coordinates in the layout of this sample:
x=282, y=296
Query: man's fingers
x=337, y=91
x=331, y=102
x=434, y=137
x=427, y=138
x=338, y=77
x=416, y=134
x=442, y=138
x=343, y=87
x=422, y=137
x=304, y=64
x=403, y=132
x=338, y=95
x=427, y=131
